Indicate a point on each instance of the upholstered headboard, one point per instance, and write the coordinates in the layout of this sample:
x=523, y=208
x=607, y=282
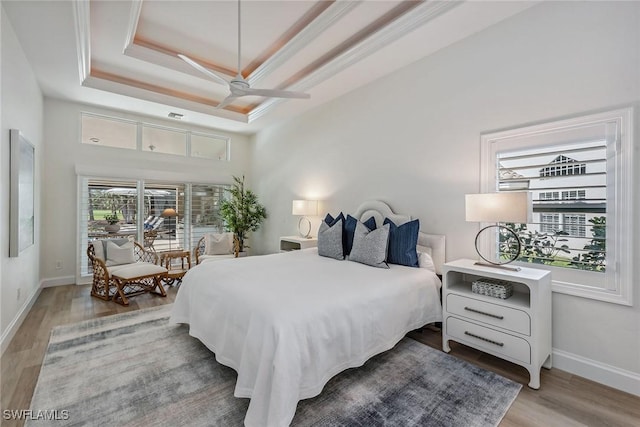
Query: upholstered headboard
x=380, y=210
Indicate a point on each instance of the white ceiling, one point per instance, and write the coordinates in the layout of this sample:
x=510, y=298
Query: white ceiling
x=122, y=54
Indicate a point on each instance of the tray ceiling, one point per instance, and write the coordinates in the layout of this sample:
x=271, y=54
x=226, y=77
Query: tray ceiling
x=323, y=47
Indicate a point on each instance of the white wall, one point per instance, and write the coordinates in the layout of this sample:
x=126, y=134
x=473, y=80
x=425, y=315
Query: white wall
x=412, y=139
x=21, y=109
x=66, y=156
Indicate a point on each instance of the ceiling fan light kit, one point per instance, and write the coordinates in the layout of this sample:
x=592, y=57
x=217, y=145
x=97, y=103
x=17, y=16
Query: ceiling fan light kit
x=238, y=86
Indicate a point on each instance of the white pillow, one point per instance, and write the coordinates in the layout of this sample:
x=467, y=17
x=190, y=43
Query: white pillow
x=117, y=255
x=426, y=249
x=425, y=261
x=98, y=249
x=218, y=244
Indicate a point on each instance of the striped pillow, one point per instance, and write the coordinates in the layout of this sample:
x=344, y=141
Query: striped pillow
x=402, y=243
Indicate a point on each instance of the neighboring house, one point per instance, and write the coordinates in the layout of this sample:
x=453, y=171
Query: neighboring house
x=568, y=191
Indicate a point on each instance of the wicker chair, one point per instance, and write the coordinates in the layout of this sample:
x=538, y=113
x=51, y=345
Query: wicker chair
x=105, y=286
x=149, y=238
x=199, y=251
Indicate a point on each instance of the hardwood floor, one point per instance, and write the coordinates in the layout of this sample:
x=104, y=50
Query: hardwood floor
x=563, y=399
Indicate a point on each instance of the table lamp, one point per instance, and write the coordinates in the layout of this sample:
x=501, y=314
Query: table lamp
x=304, y=208
x=499, y=208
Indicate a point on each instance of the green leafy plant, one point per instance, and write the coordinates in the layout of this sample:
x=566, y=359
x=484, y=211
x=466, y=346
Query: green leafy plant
x=241, y=212
x=540, y=248
x=112, y=218
x=596, y=257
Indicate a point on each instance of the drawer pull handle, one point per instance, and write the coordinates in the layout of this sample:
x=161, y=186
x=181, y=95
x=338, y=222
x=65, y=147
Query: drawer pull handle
x=484, y=313
x=501, y=344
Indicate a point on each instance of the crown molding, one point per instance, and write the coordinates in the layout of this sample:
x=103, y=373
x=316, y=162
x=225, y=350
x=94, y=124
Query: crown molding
x=82, y=20
x=395, y=29
x=401, y=26
x=134, y=17
x=122, y=86
x=301, y=40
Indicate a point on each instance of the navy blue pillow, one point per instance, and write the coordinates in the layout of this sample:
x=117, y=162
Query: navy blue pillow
x=331, y=221
x=402, y=243
x=350, y=229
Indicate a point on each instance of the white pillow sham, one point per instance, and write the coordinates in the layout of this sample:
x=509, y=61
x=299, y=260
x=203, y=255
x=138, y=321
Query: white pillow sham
x=425, y=249
x=218, y=244
x=98, y=249
x=118, y=255
x=425, y=261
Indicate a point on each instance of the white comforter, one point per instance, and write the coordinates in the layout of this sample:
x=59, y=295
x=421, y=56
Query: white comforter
x=289, y=322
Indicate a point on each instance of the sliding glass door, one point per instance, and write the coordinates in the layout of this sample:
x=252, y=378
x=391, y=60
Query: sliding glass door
x=162, y=216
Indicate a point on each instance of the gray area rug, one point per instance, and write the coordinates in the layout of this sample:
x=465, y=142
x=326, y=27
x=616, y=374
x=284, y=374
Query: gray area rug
x=135, y=369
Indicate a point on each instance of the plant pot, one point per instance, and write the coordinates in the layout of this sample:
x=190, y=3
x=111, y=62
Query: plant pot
x=112, y=228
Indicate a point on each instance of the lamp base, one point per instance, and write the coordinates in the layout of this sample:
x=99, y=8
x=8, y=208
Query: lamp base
x=507, y=248
x=307, y=234
x=500, y=266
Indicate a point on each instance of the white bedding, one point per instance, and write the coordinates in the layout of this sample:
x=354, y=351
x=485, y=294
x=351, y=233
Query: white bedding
x=289, y=322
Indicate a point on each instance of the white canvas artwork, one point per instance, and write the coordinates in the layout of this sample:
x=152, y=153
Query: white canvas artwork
x=22, y=212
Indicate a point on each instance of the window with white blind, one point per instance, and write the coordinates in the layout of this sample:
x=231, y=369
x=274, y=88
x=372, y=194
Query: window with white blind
x=561, y=176
x=579, y=172
x=205, y=211
x=159, y=215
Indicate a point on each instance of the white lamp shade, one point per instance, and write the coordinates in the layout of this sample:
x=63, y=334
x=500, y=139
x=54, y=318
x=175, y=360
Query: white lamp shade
x=499, y=207
x=304, y=207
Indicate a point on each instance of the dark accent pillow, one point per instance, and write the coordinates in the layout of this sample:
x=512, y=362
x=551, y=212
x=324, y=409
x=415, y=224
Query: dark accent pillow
x=330, y=240
x=402, y=243
x=350, y=229
x=370, y=247
x=331, y=220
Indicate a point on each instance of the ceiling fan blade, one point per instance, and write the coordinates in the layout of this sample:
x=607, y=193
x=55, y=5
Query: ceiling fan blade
x=228, y=100
x=274, y=93
x=203, y=70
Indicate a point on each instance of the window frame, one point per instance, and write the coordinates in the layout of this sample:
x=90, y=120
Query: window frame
x=188, y=238
x=139, y=133
x=620, y=208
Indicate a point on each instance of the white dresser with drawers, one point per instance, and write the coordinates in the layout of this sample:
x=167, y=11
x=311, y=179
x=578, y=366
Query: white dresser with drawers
x=517, y=328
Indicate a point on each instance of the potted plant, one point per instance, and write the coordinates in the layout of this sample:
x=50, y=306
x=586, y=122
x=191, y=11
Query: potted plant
x=241, y=212
x=113, y=220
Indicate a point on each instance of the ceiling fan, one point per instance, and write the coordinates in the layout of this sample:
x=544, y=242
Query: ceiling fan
x=238, y=85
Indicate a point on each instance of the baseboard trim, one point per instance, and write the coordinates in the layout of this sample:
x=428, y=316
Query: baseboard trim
x=597, y=371
x=15, y=324
x=57, y=281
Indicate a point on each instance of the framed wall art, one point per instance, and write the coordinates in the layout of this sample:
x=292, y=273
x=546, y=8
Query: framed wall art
x=22, y=205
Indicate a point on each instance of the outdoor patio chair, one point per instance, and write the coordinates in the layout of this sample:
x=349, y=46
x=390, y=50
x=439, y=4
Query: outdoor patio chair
x=149, y=238
x=230, y=250
x=153, y=222
x=127, y=271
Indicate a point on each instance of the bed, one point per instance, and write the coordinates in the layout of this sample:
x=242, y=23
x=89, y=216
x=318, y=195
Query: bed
x=289, y=322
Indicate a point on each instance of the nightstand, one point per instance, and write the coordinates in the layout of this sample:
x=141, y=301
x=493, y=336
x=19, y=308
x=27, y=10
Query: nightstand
x=517, y=329
x=293, y=243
